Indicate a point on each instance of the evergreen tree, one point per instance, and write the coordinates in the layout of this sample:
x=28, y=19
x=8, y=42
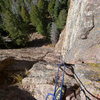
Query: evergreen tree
x=41, y=6
x=7, y=4
x=48, y=30
x=35, y=15
x=2, y=6
x=37, y=20
x=25, y=14
x=57, y=8
x=51, y=7
x=61, y=19
x=40, y=28
x=12, y=26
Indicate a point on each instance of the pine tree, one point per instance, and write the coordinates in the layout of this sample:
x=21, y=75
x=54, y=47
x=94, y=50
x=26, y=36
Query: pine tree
x=56, y=9
x=2, y=6
x=37, y=20
x=51, y=7
x=41, y=5
x=25, y=14
x=12, y=25
x=35, y=15
x=61, y=21
x=40, y=28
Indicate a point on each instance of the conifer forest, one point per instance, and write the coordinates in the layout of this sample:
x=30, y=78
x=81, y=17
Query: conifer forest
x=20, y=18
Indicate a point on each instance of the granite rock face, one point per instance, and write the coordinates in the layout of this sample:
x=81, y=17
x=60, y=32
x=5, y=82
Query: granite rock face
x=80, y=40
x=41, y=81
x=89, y=75
x=79, y=43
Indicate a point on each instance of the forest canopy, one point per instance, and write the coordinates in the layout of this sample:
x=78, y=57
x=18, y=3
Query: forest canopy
x=19, y=18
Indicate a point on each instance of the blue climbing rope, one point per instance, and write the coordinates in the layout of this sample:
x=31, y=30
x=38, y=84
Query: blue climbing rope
x=54, y=95
x=82, y=87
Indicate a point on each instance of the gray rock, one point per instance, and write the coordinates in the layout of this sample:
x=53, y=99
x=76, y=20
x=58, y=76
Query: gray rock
x=41, y=81
x=90, y=78
x=81, y=36
x=80, y=43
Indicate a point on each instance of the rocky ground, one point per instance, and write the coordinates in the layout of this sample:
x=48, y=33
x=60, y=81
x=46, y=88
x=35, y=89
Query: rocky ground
x=29, y=74
x=23, y=69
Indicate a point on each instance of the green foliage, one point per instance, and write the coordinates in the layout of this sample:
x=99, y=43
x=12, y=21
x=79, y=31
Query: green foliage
x=61, y=21
x=51, y=7
x=12, y=26
x=49, y=30
x=56, y=9
x=40, y=28
x=5, y=4
x=41, y=5
x=25, y=14
x=35, y=15
x=37, y=20
x=16, y=17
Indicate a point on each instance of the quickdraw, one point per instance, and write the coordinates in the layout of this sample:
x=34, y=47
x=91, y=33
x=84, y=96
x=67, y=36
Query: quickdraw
x=59, y=90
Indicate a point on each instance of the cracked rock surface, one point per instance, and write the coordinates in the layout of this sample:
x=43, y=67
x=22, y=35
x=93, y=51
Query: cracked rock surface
x=80, y=40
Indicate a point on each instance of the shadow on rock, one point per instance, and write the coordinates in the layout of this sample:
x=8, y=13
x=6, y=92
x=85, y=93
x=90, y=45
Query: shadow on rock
x=12, y=73
x=15, y=93
x=38, y=42
x=34, y=43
